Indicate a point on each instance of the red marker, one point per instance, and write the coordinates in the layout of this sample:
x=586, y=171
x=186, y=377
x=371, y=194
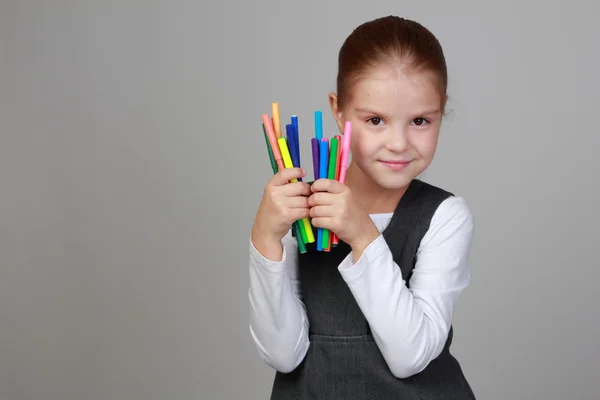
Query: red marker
x=343, y=164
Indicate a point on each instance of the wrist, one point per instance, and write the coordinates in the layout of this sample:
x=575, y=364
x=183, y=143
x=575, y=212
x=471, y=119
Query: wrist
x=269, y=246
x=361, y=243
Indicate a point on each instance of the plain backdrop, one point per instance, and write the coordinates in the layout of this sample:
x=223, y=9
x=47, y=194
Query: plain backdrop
x=132, y=163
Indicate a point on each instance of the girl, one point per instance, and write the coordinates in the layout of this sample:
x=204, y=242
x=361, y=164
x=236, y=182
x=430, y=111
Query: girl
x=371, y=319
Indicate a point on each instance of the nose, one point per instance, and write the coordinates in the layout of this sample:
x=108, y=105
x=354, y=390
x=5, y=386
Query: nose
x=397, y=140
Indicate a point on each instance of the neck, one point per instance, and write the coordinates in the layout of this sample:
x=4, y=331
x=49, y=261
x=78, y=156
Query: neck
x=372, y=197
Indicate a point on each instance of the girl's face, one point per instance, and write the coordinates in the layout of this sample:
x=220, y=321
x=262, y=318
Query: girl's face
x=395, y=119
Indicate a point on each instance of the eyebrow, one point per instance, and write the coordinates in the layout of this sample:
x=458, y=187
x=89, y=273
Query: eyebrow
x=430, y=112
x=367, y=110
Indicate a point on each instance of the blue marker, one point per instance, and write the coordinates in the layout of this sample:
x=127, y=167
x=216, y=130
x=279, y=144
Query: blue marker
x=296, y=136
x=323, y=166
x=319, y=125
x=291, y=139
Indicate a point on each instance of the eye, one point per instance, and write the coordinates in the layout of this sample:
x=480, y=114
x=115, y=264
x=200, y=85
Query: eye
x=375, y=121
x=420, y=121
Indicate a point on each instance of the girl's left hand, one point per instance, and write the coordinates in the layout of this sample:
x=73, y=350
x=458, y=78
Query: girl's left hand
x=333, y=207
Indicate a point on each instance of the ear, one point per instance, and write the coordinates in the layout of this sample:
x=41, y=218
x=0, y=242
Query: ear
x=335, y=110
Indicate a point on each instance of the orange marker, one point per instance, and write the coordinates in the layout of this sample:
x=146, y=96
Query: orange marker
x=273, y=141
x=276, y=120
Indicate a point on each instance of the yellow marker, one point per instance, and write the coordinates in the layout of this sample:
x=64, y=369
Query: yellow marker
x=287, y=162
x=276, y=119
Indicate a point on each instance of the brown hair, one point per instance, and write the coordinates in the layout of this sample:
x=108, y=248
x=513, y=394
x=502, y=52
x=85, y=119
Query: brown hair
x=394, y=41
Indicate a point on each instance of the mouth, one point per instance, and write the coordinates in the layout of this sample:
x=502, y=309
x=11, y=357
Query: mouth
x=395, y=165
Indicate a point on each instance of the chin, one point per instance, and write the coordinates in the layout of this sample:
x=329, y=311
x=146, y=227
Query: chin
x=394, y=182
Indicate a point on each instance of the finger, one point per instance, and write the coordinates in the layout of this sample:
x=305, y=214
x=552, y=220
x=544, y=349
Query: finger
x=322, y=211
x=297, y=202
x=322, y=222
x=321, y=199
x=294, y=214
x=285, y=175
x=328, y=185
x=295, y=189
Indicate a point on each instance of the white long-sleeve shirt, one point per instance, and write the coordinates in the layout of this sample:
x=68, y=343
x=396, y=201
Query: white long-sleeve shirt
x=409, y=325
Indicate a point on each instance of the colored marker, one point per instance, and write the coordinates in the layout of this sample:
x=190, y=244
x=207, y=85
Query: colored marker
x=323, y=155
x=296, y=135
x=345, y=150
x=330, y=175
x=297, y=138
x=276, y=119
x=338, y=157
x=305, y=227
x=295, y=226
x=318, y=125
x=287, y=159
x=298, y=228
x=299, y=238
x=315, y=155
x=314, y=142
x=334, y=239
x=273, y=141
x=271, y=158
x=293, y=146
x=289, y=164
x=291, y=140
x=343, y=163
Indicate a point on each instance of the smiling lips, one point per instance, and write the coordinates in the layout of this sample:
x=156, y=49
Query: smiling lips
x=395, y=165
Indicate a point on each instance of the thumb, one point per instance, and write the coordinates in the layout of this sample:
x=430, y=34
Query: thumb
x=286, y=175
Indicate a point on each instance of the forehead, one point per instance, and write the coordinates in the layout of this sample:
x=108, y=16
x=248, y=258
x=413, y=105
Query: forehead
x=389, y=89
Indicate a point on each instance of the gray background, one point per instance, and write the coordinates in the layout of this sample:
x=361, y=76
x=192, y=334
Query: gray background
x=125, y=206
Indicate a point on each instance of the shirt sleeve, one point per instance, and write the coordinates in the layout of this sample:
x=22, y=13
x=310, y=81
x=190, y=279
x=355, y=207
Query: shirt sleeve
x=411, y=325
x=278, y=320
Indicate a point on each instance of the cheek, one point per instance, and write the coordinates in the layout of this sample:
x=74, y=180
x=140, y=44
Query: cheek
x=363, y=146
x=363, y=151
x=425, y=143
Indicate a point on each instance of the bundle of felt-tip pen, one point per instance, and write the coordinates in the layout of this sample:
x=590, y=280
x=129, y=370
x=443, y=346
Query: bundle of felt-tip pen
x=330, y=160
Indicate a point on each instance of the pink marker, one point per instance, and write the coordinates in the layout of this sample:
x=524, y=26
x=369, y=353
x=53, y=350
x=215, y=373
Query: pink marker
x=345, y=150
x=343, y=165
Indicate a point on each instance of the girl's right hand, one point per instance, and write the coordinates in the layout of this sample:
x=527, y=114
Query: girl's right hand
x=282, y=204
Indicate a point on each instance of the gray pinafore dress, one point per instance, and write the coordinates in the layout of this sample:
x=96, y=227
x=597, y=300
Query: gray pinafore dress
x=343, y=360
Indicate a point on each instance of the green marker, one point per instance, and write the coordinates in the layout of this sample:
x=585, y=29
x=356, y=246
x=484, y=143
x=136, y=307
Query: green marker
x=271, y=156
x=299, y=237
x=330, y=175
